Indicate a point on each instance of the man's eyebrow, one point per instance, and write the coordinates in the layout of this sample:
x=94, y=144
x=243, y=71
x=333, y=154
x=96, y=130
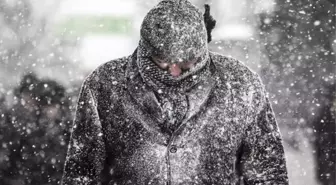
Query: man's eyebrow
x=165, y=60
x=158, y=59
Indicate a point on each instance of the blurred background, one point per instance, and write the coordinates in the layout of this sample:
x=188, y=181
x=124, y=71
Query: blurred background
x=47, y=48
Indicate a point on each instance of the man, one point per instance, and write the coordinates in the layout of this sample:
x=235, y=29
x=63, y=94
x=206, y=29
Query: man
x=174, y=113
x=35, y=135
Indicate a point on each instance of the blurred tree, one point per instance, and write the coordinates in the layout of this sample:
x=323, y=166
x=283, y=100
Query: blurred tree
x=332, y=2
x=34, y=130
x=28, y=43
x=298, y=39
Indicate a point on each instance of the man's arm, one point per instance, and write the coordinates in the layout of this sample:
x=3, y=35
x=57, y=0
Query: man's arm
x=263, y=158
x=86, y=153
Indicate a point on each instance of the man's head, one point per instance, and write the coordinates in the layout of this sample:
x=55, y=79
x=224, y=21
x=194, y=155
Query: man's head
x=174, y=37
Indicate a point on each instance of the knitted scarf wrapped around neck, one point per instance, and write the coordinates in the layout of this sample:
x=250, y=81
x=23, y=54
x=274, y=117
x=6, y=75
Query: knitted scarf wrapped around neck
x=161, y=81
x=173, y=31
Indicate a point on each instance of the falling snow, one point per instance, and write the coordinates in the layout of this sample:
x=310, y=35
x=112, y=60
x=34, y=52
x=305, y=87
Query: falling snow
x=251, y=101
x=191, y=129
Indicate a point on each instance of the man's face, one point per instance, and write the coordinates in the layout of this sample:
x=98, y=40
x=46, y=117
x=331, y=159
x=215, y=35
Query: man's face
x=51, y=111
x=174, y=68
x=28, y=102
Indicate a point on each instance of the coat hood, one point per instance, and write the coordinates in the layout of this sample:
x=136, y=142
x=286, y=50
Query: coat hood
x=175, y=30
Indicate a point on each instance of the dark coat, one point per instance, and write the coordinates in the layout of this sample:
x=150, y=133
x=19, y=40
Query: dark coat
x=325, y=135
x=228, y=136
x=34, y=134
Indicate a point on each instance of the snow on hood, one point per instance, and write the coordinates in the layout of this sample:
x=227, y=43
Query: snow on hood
x=174, y=31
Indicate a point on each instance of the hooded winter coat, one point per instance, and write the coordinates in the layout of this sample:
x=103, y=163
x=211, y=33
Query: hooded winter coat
x=226, y=133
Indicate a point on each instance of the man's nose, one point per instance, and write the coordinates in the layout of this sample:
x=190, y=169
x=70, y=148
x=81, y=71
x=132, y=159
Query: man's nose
x=175, y=70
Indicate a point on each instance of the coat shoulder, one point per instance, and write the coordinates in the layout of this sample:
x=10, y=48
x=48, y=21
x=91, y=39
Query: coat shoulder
x=233, y=72
x=107, y=74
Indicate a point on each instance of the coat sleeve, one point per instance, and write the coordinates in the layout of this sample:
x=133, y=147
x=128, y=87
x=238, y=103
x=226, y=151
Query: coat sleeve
x=86, y=153
x=263, y=159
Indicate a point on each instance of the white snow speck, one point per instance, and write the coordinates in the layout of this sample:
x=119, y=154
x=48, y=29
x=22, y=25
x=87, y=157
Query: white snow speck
x=316, y=23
